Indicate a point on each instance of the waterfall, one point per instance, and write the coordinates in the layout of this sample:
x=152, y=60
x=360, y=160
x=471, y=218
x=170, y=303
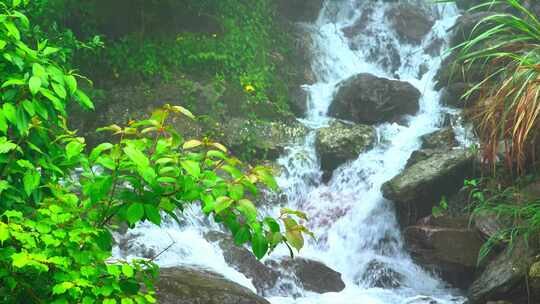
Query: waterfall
x=356, y=228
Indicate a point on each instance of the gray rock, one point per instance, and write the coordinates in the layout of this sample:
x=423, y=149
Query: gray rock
x=502, y=275
x=367, y=99
x=267, y=140
x=313, y=275
x=446, y=245
x=341, y=142
x=241, y=259
x=184, y=285
x=420, y=186
x=410, y=23
x=441, y=139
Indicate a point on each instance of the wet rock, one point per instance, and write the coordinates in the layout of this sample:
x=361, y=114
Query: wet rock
x=534, y=280
x=241, y=259
x=502, y=275
x=420, y=155
x=367, y=99
x=410, y=23
x=299, y=101
x=266, y=140
x=450, y=76
x=488, y=223
x=300, y=10
x=446, y=245
x=183, y=285
x=341, y=142
x=313, y=275
x=378, y=274
x=420, y=186
x=441, y=139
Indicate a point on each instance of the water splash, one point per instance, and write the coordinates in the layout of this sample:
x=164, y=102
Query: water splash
x=356, y=227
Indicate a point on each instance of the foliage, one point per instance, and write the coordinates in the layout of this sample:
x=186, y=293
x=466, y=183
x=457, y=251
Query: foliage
x=241, y=48
x=507, y=111
x=519, y=215
x=58, y=204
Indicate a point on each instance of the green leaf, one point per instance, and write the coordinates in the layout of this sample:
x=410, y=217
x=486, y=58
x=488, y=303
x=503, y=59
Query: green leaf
x=127, y=270
x=222, y=203
x=31, y=181
x=29, y=107
x=3, y=123
x=38, y=70
x=152, y=213
x=236, y=191
x=73, y=149
x=267, y=179
x=295, y=238
x=20, y=259
x=259, y=245
x=135, y=213
x=4, y=233
x=247, y=208
x=191, y=167
x=96, y=152
x=2, y=44
x=12, y=30
x=127, y=301
x=62, y=287
x=13, y=82
x=71, y=83
x=10, y=112
x=104, y=240
x=34, y=84
x=242, y=235
x=84, y=100
x=136, y=156
x=6, y=146
x=59, y=90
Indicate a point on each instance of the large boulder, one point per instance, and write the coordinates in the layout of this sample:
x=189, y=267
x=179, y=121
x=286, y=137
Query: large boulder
x=313, y=275
x=447, y=245
x=421, y=185
x=368, y=99
x=241, y=259
x=341, y=142
x=184, y=285
x=504, y=276
x=410, y=23
x=266, y=140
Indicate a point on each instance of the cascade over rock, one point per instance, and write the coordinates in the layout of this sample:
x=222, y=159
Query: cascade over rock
x=184, y=285
x=243, y=260
x=420, y=186
x=341, y=142
x=313, y=275
x=368, y=99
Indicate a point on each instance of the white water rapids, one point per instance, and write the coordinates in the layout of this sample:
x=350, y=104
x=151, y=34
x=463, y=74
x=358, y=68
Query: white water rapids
x=355, y=226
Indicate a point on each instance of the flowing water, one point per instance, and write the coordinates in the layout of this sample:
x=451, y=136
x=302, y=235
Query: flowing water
x=356, y=228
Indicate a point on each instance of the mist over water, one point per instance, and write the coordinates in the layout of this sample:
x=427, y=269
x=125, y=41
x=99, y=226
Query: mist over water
x=356, y=228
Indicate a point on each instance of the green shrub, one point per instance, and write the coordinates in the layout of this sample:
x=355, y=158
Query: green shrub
x=58, y=204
